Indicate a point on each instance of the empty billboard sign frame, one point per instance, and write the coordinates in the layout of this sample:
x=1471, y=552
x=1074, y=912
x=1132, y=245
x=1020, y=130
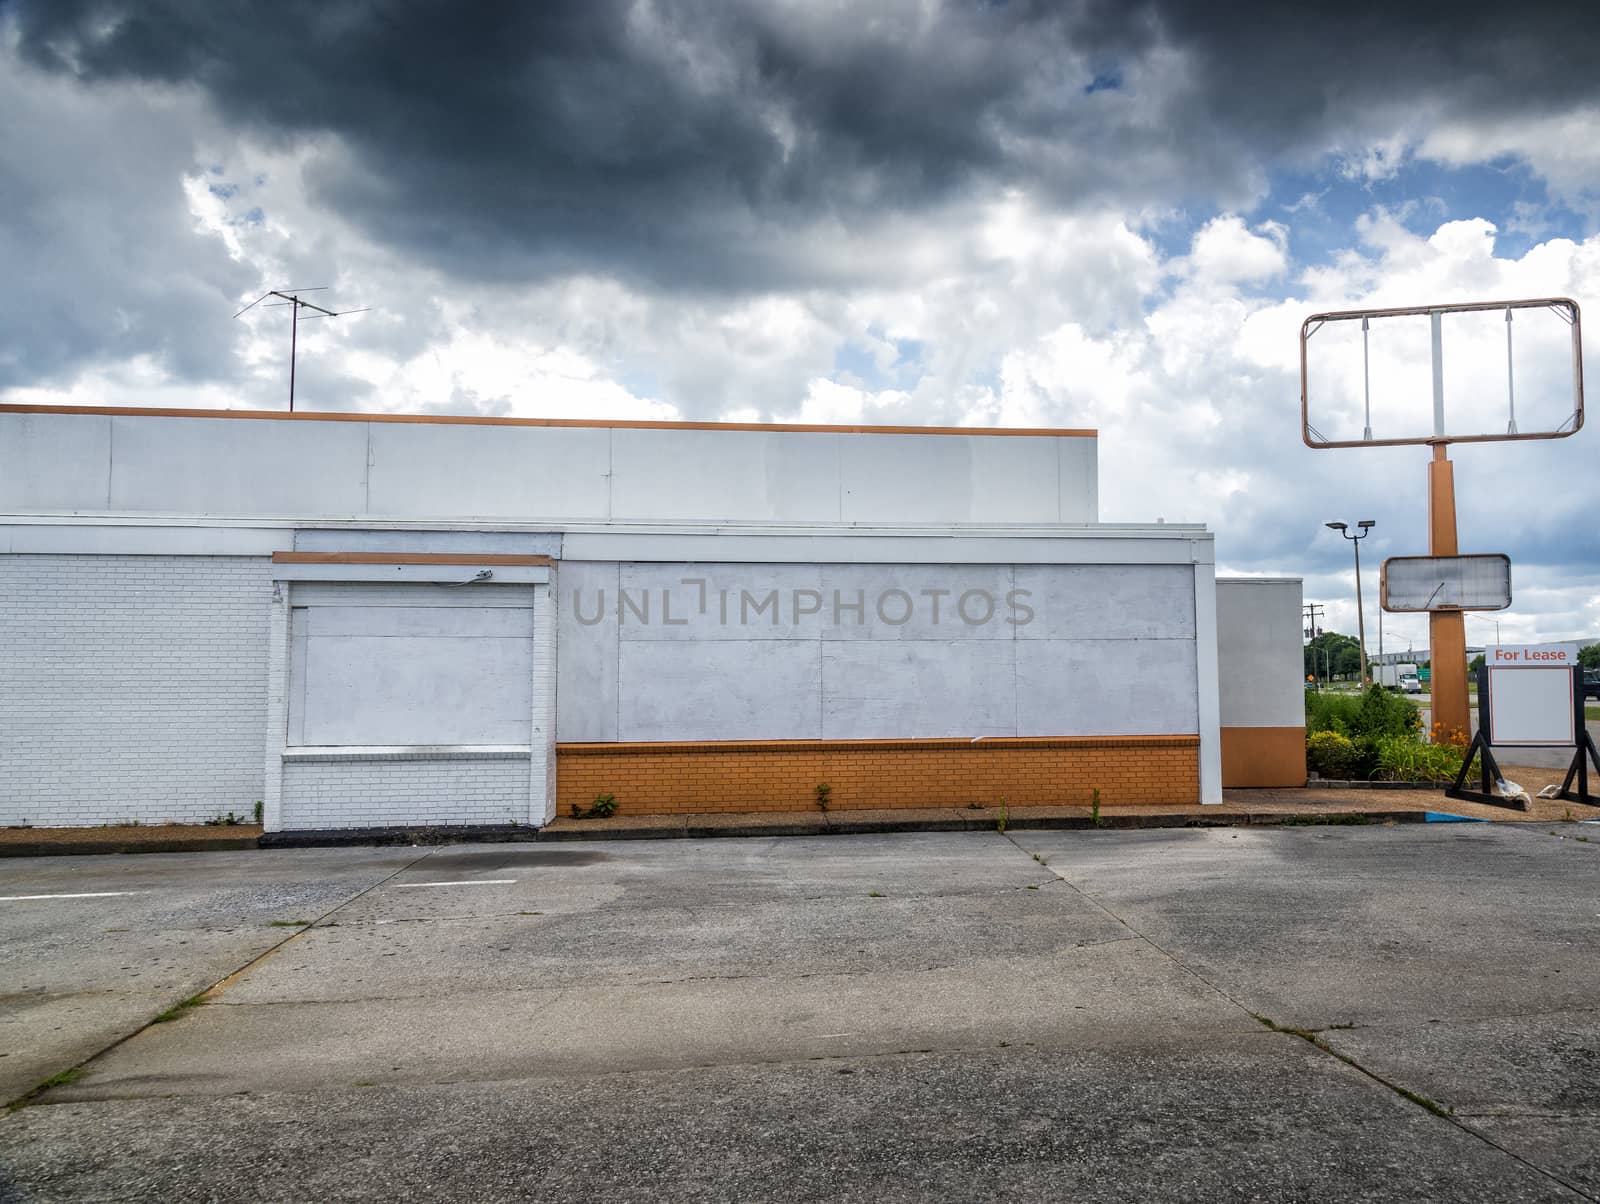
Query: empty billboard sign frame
x=1413, y=584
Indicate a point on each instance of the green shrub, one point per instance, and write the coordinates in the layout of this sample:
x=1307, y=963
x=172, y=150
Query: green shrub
x=1330, y=712
x=1384, y=713
x=1407, y=759
x=1376, y=713
x=1330, y=754
x=1365, y=762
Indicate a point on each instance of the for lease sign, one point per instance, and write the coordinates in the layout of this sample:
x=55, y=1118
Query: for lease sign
x=1531, y=656
x=1530, y=694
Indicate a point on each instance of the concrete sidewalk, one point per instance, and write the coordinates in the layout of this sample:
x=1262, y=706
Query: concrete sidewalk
x=1312, y=805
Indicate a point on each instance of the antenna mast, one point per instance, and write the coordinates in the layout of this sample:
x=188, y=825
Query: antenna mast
x=292, y=297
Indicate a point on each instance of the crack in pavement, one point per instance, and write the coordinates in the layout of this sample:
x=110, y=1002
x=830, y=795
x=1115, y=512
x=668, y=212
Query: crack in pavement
x=1308, y=1036
x=210, y=992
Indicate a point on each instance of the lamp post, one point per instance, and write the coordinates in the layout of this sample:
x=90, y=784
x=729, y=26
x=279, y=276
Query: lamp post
x=1364, y=527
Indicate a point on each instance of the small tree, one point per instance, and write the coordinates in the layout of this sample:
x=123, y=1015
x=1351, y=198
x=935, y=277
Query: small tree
x=1589, y=657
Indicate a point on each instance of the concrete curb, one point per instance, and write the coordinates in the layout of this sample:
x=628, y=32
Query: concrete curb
x=1108, y=823
x=702, y=828
x=314, y=838
x=86, y=848
x=1356, y=784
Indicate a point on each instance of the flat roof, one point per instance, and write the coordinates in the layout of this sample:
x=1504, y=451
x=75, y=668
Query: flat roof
x=487, y=420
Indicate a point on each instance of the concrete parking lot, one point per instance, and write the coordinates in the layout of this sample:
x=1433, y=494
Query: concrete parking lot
x=1317, y=1012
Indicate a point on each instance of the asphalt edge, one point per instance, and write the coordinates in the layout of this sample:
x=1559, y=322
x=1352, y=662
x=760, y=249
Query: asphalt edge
x=698, y=828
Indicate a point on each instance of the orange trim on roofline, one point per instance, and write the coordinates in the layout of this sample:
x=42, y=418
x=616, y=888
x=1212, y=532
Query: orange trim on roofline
x=619, y=424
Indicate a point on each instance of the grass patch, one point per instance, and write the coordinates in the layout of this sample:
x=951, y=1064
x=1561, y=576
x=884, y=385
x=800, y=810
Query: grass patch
x=71, y=1075
x=1421, y=1101
x=1312, y=1037
x=178, y=1009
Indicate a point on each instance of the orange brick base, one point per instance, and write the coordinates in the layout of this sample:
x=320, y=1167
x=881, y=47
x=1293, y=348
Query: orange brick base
x=783, y=775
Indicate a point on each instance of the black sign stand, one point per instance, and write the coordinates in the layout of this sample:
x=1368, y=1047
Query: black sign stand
x=1482, y=739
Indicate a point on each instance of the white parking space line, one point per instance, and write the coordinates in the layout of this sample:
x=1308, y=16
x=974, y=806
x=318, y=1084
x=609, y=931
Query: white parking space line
x=93, y=894
x=469, y=882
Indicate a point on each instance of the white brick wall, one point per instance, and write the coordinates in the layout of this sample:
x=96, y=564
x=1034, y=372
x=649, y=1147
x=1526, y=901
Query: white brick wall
x=131, y=687
x=383, y=792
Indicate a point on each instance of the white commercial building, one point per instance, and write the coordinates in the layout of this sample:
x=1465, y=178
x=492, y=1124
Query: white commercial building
x=377, y=621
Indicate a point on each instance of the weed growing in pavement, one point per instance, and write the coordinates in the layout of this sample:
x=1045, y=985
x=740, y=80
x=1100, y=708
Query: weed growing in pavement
x=178, y=1009
x=223, y=821
x=289, y=924
x=872, y=894
x=822, y=797
x=258, y=811
x=1039, y=859
x=1094, y=807
x=56, y=1080
x=1000, y=824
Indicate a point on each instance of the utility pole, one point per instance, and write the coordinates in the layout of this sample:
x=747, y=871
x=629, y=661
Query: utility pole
x=1313, y=612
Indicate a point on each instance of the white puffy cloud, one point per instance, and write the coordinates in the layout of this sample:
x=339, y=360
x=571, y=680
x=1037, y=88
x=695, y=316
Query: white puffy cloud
x=1226, y=250
x=1562, y=148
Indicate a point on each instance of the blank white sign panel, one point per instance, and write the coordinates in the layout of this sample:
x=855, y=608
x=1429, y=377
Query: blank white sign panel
x=408, y=675
x=1531, y=706
x=1420, y=583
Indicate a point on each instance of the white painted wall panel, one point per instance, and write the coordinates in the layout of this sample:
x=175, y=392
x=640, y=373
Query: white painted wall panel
x=1160, y=545
x=387, y=675
x=664, y=475
x=1106, y=688
x=741, y=601
x=920, y=689
x=325, y=468
x=344, y=539
x=586, y=652
x=812, y=677
x=1261, y=676
x=223, y=466
x=428, y=470
x=1108, y=601
x=910, y=602
x=719, y=690
x=880, y=482
x=1016, y=480
x=54, y=461
x=1078, y=473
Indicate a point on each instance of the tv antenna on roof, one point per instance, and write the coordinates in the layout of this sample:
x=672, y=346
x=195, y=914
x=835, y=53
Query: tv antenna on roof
x=292, y=297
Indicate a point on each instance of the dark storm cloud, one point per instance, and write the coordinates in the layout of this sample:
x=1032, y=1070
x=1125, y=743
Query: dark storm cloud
x=697, y=143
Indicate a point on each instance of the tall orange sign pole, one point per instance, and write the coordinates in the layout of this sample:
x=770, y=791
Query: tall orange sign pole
x=1447, y=630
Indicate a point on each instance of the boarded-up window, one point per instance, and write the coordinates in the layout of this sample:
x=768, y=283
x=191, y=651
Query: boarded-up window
x=391, y=665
